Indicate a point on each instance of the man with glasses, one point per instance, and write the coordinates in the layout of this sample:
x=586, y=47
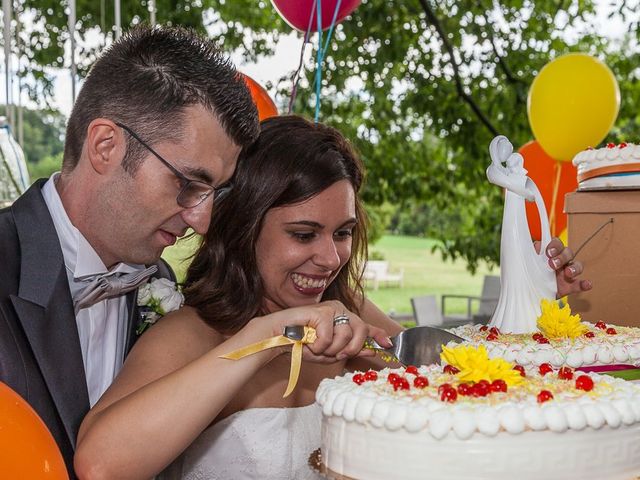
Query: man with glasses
x=151, y=145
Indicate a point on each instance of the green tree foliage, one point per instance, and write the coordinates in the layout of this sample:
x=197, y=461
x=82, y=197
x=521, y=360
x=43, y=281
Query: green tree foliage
x=44, y=167
x=438, y=80
x=43, y=132
x=421, y=86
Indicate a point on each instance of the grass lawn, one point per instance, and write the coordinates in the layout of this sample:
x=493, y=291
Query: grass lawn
x=424, y=272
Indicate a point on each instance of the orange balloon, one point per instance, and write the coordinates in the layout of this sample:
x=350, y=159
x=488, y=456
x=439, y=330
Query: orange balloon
x=27, y=449
x=266, y=107
x=542, y=169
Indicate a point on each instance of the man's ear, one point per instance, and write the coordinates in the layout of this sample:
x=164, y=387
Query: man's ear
x=105, y=145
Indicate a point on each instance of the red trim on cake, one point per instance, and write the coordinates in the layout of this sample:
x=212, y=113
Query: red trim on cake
x=598, y=172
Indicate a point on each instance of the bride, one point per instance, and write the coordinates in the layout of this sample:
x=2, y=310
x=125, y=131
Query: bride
x=284, y=248
x=290, y=234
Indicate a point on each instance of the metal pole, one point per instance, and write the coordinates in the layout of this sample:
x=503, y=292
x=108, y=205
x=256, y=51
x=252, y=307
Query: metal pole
x=19, y=55
x=6, y=33
x=117, y=15
x=152, y=12
x=72, y=38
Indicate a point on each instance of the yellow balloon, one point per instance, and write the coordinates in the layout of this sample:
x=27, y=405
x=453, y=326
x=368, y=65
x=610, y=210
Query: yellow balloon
x=564, y=236
x=572, y=104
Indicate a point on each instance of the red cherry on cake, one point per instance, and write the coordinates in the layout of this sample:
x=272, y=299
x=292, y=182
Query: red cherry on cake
x=412, y=369
x=491, y=337
x=449, y=394
x=565, y=373
x=623, y=145
x=498, y=385
x=601, y=325
x=371, y=376
x=480, y=389
x=465, y=389
x=590, y=335
x=544, y=396
x=584, y=382
x=484, y=328
x=611, y=145
x=444, y=387
x=542, y=340
x=520, y=369
x=611, y=331
x=450, y=369
x=536, y=336
x=420, y=382
x=402, y=384
x=358, y=378
x=545, y=368
x=392, y=378
x=495, y=330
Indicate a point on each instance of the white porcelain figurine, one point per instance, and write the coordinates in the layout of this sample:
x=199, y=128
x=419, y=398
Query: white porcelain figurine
x=525, y=276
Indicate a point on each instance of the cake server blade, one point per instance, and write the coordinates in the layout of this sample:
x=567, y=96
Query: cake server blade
x=418, y=345
x=414, y=346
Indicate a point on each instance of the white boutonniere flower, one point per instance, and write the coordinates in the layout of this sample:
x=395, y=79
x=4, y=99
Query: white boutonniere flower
x=155, y=299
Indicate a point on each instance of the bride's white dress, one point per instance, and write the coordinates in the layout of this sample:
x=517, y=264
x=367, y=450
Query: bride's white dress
x=259, y=443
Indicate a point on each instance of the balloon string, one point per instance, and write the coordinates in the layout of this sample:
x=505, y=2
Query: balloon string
x=554, y=198
x=318, y=58
x=322, y=49
x=333, y=24
x=296, y=76
x=575, y=254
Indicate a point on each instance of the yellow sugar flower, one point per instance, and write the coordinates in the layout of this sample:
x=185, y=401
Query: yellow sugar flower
x=475, y=365
x=556, y=322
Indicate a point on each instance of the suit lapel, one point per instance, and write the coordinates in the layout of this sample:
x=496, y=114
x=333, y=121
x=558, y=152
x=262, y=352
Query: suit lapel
x=133, y=321
x=53, y=337
x=45, y=309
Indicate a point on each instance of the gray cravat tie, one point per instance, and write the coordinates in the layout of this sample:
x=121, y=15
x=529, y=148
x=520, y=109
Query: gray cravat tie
x=109, y=285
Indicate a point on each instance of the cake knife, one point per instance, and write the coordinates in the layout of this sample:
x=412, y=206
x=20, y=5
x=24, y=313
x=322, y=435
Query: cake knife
x=414, y=346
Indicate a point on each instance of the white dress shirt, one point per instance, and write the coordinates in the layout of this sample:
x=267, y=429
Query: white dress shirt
x=102, y=327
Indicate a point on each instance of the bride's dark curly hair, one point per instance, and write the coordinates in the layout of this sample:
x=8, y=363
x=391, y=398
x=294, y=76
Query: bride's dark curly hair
x=292, y=161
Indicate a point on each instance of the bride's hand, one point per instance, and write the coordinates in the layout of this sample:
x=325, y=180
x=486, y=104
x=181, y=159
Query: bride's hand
x=337, y=338
x=567, y=270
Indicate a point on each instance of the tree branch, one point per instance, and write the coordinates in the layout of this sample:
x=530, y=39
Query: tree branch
x=502, y=64
x=456, y=69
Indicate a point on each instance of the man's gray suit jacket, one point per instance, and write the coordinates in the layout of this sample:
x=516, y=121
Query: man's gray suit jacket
x=40, y=355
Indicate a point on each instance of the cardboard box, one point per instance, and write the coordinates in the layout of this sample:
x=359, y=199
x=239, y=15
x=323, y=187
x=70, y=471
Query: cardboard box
x=611, y=258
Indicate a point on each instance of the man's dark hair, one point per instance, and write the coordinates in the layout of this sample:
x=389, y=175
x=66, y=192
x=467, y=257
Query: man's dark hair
x=292, y=160
x=147, y=78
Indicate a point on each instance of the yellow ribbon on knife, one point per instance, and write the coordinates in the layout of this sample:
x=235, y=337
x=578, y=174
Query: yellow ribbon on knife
x=279, y=341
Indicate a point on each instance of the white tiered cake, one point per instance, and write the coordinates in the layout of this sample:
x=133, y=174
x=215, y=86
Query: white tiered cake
x=390, y=425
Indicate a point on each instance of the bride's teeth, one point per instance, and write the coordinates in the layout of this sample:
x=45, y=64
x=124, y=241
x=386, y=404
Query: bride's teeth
x=306, y=282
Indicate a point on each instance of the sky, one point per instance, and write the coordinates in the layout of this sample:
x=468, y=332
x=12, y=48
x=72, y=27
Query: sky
x=285, y=61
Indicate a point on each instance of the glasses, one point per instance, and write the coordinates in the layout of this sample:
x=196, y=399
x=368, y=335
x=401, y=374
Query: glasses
x=192, y=192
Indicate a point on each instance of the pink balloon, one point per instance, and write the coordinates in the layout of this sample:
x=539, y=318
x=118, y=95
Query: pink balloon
x=297, y=12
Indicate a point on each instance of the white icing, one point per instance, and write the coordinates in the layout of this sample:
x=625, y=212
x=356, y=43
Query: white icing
x=555, y=418
x=464, y=424
x=487, y=421
x=441, y=423
x=576, y=419
x=511, y=419
x=534, y=418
